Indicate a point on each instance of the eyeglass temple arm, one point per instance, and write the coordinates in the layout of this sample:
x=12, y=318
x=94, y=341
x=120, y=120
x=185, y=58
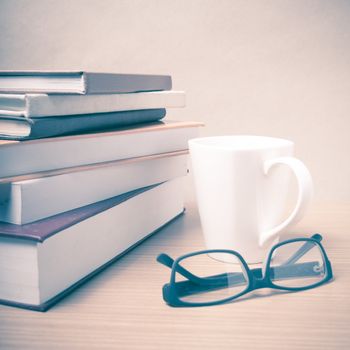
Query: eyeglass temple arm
x=303, y=250
x=166, y=260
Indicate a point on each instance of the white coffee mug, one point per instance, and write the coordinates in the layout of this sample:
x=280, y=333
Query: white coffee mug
x=242, y=191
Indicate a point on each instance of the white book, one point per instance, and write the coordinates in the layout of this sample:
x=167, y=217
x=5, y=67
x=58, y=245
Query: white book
x=43, y=105
x=42, y=262
x=32, y=156
x=32, y=198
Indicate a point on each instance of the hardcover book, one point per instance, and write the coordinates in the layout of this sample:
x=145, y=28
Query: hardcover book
x=29, y=198
x=42, y=105
x=80, y=82
x=19, y=128
x=39, y=264
x=33, y=156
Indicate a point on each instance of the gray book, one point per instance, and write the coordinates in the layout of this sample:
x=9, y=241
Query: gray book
x=19, y=128
x=79, y=82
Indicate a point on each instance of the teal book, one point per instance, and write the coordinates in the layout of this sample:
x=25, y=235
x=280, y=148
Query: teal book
x=21, y=128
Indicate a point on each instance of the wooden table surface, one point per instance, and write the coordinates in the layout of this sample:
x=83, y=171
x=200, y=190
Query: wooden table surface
x=122, y=307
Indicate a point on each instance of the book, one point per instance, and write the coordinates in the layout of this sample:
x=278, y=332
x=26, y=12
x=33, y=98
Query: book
x=31, y=198
x=33, y=156
x=19, y=128
x=79, y=82
x=39, y=263
x=43, y=105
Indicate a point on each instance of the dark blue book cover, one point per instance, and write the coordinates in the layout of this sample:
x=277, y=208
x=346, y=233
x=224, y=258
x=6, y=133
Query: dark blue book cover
x=41, y=127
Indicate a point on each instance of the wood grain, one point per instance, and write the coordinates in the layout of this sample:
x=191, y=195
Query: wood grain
x=122, y=308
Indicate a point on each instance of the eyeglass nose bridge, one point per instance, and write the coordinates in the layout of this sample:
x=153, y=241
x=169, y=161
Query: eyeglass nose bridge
x=259, y=281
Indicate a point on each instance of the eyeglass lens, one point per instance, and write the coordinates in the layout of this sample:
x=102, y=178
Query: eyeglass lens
x=216, y=277
x=297, y=265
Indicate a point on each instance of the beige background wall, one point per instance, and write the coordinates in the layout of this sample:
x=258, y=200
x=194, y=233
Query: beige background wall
x=278, y=68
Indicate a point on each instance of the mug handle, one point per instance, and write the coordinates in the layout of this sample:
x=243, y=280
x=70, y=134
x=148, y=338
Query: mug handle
x=305, y=191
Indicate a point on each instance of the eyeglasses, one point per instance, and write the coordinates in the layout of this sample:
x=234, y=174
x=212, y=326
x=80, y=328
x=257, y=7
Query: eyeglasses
x=212, y=277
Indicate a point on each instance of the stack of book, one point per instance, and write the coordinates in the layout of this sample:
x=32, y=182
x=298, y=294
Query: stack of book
x=88, y=170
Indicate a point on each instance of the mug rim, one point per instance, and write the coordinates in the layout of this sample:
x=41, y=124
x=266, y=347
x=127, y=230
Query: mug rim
x=257, y=142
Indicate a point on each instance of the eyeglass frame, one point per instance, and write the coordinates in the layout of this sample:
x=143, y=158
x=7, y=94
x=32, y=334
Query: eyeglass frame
x=253, y=282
